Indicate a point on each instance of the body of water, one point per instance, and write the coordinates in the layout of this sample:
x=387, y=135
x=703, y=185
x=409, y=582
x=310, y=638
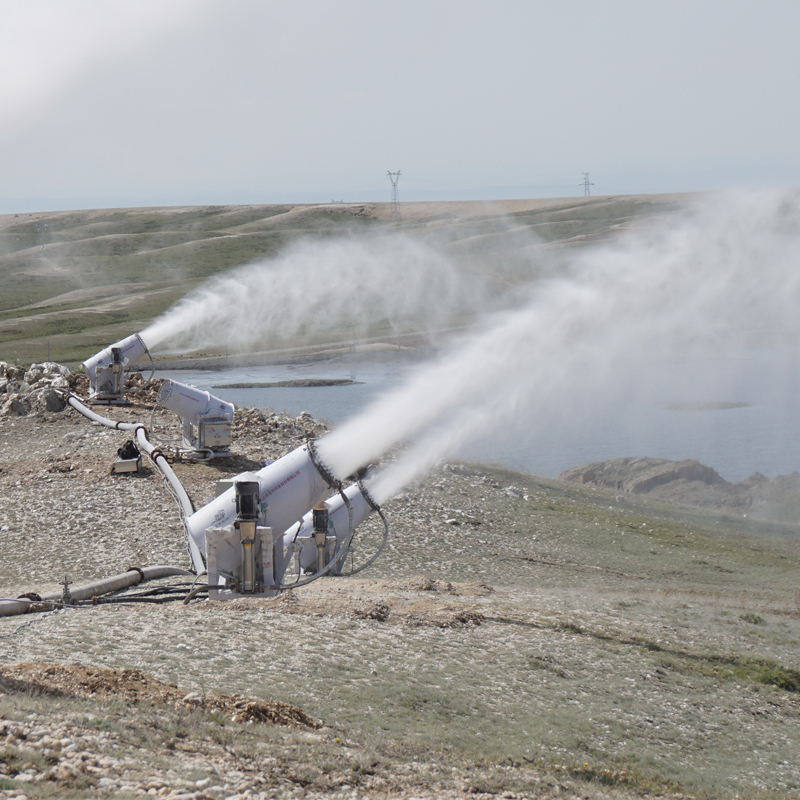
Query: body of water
x=732, y=409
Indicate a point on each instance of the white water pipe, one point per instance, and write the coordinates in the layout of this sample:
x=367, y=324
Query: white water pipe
x=161, y=463
x=288, y=488
x=192, y=404
x=115, y=583
x=98, y=367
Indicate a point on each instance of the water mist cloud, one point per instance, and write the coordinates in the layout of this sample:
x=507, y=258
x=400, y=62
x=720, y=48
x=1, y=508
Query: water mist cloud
x=351, y=282
x=45, y=45
x=728, y=268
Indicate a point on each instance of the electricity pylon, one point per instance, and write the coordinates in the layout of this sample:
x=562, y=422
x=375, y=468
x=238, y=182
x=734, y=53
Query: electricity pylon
x=395, y=211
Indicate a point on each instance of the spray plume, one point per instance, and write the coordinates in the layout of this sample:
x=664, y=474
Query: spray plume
x=726, y=269
x=315, y=287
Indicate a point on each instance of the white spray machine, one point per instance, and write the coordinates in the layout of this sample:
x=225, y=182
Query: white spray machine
x=249, y=534
x=106, y=369
x=322, y=539
x=286, y=489
x=206, y=420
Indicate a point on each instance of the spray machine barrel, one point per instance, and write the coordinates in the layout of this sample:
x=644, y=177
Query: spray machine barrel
x=337, y=519
x=192, y=404
x=100, y=366
x=288, y=488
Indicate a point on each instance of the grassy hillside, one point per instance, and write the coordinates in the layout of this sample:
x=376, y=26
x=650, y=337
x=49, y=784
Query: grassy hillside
x=72, y=282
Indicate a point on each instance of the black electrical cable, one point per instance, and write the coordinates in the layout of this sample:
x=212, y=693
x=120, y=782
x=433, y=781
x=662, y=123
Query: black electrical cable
x=372, y=560
x=125, y=599
x=173, y=589
x=102, y=601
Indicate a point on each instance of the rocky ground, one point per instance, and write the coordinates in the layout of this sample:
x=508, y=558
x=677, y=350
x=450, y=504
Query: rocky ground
x=519, y=637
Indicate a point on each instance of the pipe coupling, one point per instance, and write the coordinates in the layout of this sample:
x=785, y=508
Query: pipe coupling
x=323, y=469
x=367, y=496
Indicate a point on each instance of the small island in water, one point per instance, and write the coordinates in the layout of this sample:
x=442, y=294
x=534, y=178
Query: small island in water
x=293, y=384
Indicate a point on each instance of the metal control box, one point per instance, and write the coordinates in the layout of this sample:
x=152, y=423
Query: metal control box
x=126, y=465
x=216, y=435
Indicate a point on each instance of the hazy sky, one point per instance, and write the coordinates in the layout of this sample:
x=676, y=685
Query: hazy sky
x=106, y=103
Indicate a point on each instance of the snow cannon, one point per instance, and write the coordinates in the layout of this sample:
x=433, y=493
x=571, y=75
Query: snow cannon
x=324, y=535
x=106, y=370
x=205, y=419
x=275, y=498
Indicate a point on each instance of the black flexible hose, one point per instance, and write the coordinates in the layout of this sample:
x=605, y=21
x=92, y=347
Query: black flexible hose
x=175, y=589
x=102, y=601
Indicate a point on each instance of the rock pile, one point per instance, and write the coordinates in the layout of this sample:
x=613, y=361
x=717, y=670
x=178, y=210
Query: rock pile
x=35, y=390
x=22, y=392
x=141, y=390
x=267, y=435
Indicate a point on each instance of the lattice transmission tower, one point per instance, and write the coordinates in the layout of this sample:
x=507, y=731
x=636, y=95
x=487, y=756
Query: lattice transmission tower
x=395, y=211
x=587, y=185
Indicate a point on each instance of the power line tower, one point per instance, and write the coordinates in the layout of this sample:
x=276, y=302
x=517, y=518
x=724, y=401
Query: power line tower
x=587, y=184
x=41, y=229
x=394, y=177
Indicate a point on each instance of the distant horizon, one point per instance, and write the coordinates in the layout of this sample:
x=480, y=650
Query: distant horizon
x=408, y=193
x=343, y=201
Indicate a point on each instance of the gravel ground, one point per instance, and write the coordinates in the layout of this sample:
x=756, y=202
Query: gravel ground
x=519, y=636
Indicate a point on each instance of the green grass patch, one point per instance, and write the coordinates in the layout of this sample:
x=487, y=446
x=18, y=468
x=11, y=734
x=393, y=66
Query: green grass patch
x=730, y=668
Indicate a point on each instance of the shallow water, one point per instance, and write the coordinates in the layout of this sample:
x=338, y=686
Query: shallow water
x=668, y=409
